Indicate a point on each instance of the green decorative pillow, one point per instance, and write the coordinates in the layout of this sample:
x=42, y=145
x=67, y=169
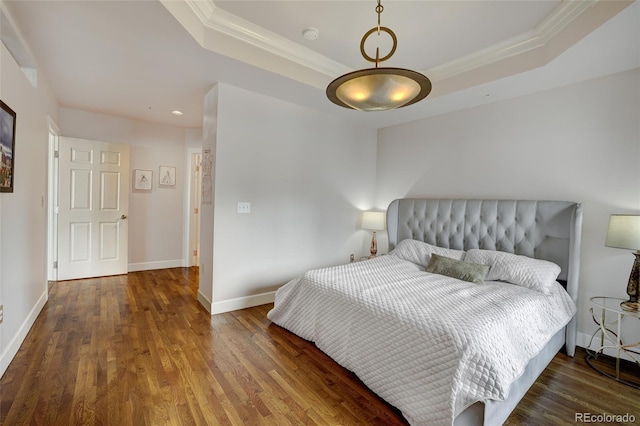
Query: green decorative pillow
x=472, y=272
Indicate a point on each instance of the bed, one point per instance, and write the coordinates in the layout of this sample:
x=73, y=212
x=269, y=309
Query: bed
x=440, y=349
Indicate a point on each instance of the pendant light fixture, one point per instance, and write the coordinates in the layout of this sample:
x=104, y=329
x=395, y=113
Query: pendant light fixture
x=379, y=88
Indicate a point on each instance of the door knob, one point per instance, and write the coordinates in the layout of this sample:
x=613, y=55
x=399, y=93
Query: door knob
x=124, y=216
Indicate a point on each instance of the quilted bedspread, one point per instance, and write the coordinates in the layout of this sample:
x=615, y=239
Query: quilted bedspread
x=428, y=344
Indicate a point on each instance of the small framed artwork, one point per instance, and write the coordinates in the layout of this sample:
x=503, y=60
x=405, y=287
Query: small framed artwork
x=167, y=176
x=7, y=147
x=142, y=179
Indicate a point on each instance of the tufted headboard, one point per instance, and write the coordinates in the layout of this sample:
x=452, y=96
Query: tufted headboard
x=548, y=230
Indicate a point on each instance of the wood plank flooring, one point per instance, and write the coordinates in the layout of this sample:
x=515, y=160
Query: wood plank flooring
x=138, y=349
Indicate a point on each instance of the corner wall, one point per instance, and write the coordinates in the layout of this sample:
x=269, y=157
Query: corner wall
x=577, y=143
x=307, y=176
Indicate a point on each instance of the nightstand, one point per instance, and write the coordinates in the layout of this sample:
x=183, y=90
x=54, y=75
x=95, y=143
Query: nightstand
x=610, y=326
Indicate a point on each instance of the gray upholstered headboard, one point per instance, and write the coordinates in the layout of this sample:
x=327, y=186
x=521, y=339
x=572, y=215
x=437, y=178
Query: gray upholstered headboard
x=548, y=230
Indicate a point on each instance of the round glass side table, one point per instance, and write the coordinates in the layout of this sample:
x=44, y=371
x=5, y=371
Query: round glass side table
x=608, y=314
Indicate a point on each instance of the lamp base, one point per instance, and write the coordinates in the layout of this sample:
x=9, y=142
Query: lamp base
x=374, y=246
x=633, y=288
x=630, y=306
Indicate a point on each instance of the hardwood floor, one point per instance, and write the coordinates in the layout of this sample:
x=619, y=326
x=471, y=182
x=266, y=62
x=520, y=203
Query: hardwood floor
x=138, y=349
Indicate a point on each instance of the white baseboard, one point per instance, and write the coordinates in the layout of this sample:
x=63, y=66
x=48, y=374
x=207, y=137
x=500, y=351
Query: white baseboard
x=162, y=264
x=242, y=302
x=582, y=339
x=13, y=346
x=206, y=303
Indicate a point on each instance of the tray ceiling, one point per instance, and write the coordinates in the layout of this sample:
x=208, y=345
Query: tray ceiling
x=142, y=59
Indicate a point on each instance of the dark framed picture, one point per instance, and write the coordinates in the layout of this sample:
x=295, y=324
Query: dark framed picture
x=7, y=147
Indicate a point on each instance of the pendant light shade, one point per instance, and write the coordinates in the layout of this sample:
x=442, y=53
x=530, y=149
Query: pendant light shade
x=378, y=89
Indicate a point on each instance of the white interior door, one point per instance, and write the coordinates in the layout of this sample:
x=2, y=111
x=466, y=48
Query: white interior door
x=94, y=199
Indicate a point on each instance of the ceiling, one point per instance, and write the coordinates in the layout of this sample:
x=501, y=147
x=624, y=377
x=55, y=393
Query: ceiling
x=144, y=59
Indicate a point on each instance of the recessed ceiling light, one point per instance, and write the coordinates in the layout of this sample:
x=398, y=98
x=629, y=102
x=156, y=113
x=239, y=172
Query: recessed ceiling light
x=310, y=33
x=176, y=112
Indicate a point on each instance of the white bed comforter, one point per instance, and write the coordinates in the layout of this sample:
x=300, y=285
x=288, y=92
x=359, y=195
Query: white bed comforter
x=428, y=344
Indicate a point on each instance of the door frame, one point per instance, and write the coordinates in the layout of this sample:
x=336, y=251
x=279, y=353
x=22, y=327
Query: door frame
x=187, y=241
x=52, y=200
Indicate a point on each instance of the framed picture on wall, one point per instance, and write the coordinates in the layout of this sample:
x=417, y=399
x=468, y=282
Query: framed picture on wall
x=142, y=180
x=167, y=176
x=7, y=147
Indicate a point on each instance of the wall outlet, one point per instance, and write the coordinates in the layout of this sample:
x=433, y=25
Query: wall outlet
x=244, y=207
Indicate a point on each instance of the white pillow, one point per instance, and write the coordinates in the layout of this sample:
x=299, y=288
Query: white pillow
x=535, y=274
x=419, y=252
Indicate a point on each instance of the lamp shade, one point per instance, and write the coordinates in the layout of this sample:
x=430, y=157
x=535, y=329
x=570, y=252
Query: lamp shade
x=624, y=232
x=379, y=89
x=373, y=220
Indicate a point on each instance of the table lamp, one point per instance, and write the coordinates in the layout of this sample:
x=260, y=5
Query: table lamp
x=624, y=232
x=373, y=221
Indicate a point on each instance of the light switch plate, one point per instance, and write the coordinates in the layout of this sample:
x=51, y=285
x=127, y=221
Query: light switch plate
x=244, y=207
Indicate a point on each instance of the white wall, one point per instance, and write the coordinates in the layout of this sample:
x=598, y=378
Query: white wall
x=23, y=278
x=207, y=218
x=156, y=217
x=193, y=138
x=307, y=177
x=578, y=143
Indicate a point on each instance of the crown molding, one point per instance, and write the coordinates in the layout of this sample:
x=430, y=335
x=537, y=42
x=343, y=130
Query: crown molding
x=542, y=34
x=15, y=43
x=216, y=19
x=202, y=9
x=219, y=20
